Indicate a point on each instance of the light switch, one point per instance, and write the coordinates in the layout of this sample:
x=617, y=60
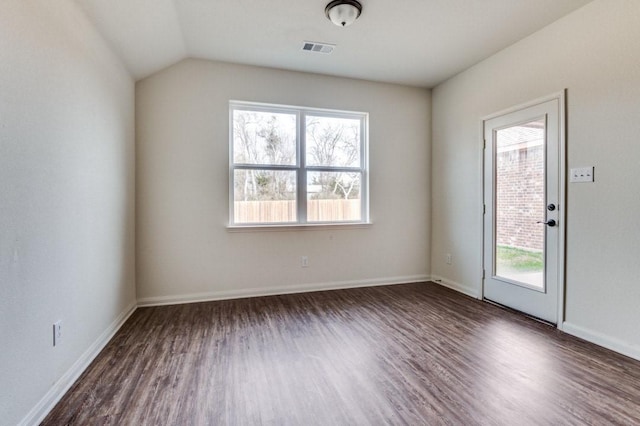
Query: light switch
x=581, y=174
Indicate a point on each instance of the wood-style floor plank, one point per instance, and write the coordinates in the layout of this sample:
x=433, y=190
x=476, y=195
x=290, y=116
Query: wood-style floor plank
x=407, y=354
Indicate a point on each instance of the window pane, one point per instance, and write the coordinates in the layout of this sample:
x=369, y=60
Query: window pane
x=264, y=196
x=333, y=141
x=264, y=138
x=333, y=197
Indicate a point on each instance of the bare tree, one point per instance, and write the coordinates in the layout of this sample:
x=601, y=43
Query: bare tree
x=334, y=142
x=261, y=138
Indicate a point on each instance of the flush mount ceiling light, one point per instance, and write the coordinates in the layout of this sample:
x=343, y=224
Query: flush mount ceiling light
x=343, y=12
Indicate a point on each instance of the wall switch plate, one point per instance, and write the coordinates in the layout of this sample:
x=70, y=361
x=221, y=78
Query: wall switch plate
x=581, y=174
x=449, y=259
x=304, y=261
x=57, y=333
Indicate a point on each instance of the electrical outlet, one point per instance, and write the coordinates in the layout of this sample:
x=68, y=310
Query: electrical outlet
x=57, y=333
x=449, y=259
x=304, y=261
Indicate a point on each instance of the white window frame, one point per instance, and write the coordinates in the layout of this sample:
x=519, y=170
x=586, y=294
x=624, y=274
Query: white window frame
x=301, y=167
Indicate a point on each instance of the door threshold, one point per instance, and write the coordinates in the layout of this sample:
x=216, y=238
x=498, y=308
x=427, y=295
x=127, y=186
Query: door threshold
x=515, y=311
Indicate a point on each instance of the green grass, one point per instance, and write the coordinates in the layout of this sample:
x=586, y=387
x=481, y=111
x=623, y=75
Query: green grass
x=518, y=259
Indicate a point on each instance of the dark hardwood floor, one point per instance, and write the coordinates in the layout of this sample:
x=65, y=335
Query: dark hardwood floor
x=408, y=354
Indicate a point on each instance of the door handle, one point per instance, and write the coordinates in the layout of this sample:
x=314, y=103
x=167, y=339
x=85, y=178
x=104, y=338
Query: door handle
x=548, y=222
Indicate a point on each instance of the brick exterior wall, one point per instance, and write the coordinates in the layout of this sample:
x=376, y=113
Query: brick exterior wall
x=520, y=198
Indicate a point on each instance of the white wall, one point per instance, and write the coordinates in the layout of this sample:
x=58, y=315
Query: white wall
x=66, y=197
x=594, y=53
x=184, y=250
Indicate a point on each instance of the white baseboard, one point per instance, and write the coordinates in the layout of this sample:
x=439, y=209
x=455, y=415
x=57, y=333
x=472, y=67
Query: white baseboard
x=57, y=391
x=270, y=291
x=469, y=291
x=632, y=351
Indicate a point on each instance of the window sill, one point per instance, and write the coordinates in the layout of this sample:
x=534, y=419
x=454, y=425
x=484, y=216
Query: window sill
x=298, y=227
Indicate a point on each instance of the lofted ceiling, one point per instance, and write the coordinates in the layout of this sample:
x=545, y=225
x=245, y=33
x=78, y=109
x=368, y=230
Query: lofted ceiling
x=413, y=42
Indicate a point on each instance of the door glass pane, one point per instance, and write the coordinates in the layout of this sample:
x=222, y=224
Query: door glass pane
x=520, y=203
x=334, y=197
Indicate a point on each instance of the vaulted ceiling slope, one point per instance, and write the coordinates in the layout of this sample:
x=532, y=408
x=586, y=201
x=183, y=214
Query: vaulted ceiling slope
x=413, y=42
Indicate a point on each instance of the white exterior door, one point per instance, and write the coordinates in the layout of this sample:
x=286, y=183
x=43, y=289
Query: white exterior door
x=524, y=219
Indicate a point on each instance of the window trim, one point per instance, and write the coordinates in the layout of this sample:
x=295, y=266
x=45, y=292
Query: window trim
x=300, y=167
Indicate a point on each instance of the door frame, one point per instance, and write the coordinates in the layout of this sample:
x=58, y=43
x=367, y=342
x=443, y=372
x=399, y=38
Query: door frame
x=562, y=194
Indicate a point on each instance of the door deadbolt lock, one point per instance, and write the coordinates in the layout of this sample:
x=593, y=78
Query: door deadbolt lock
x=551, y=207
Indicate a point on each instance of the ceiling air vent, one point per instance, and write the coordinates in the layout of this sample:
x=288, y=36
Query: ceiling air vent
x=312, y=46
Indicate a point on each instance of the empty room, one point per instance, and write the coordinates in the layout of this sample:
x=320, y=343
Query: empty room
x=235, y=212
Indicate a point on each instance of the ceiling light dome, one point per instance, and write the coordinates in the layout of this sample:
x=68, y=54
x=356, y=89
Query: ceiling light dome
x=343, y=12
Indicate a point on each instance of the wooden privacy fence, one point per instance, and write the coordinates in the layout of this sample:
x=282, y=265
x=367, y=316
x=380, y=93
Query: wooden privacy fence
x=285, y=211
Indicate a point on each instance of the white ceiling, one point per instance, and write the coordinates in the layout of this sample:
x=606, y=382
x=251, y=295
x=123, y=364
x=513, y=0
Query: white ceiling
x=414, y=42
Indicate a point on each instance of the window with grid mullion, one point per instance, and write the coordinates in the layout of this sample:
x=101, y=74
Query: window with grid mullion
x=280, y=154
